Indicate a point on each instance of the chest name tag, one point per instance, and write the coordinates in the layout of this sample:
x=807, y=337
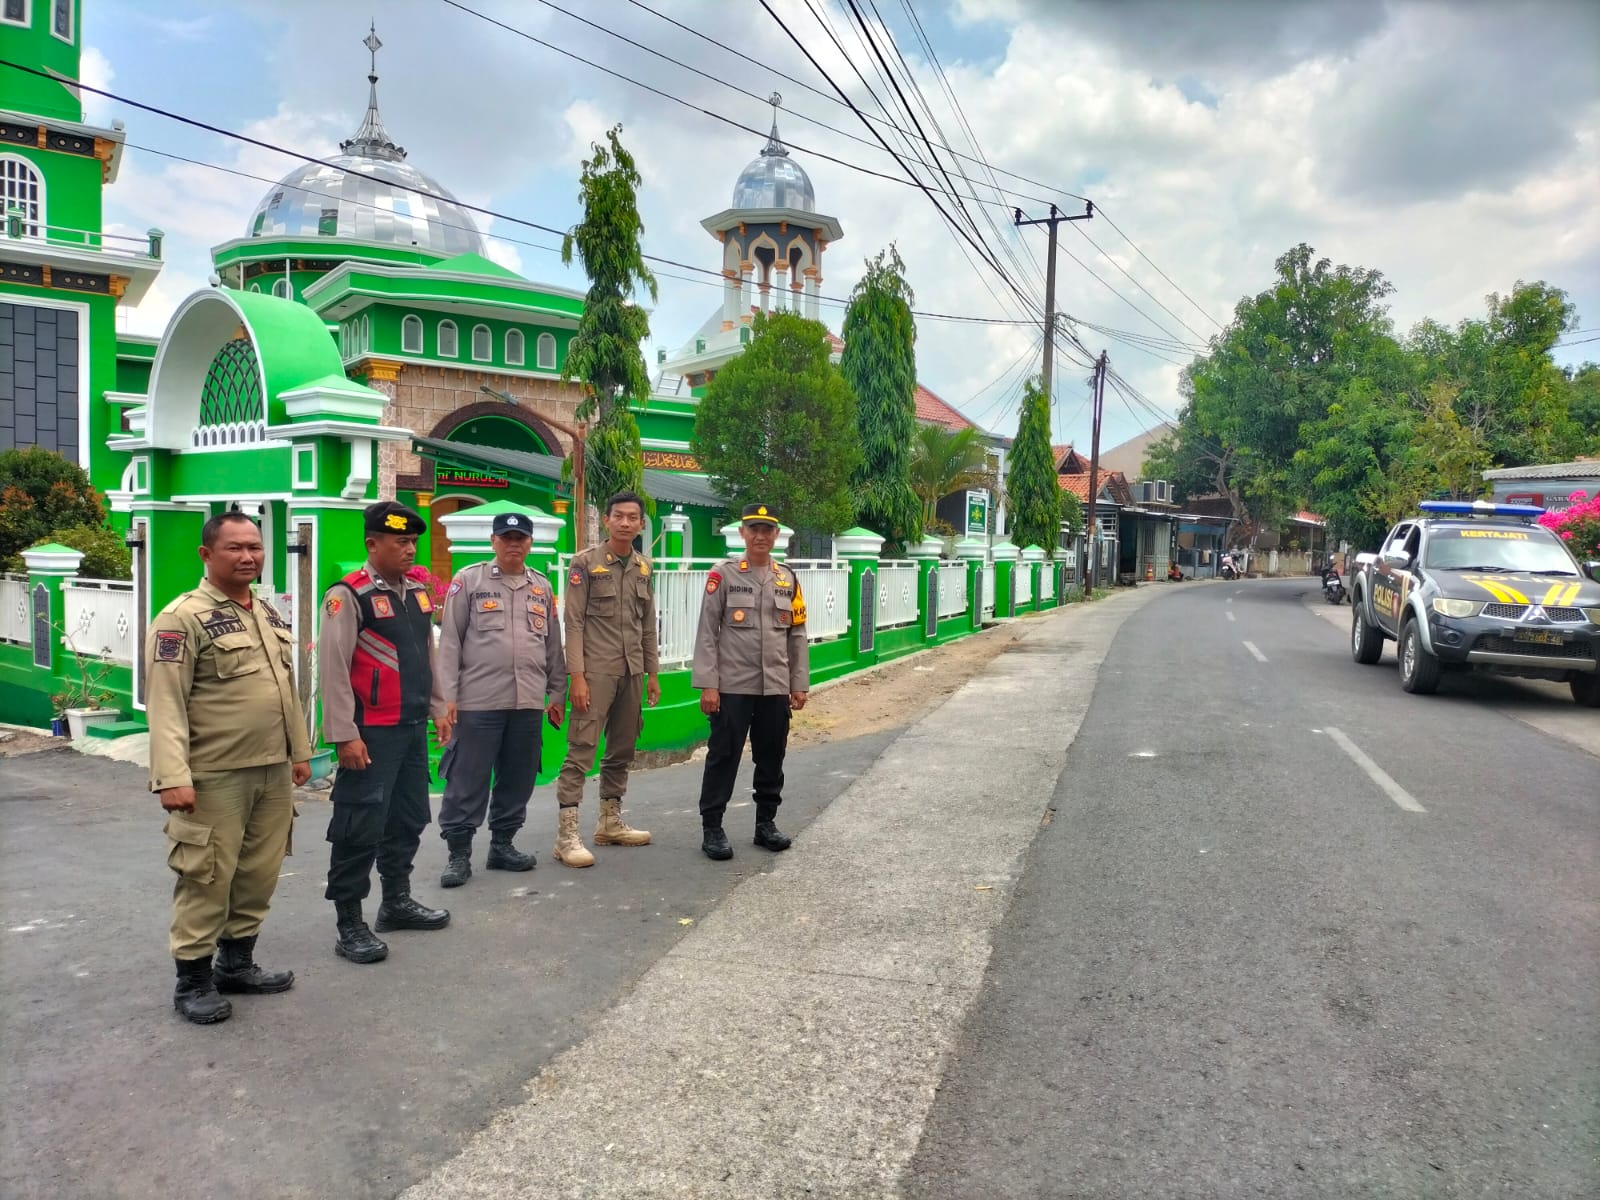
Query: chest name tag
x=220, y=621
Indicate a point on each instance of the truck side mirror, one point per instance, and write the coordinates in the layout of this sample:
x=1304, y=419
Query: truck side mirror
x=1592, y=569
x=1397, y=559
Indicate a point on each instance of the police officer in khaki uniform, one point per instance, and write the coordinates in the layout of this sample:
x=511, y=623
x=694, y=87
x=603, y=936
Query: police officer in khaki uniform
x=500, y=671
x=753, y=668
x=610, y=609
x=228, y=746
x=377, y=684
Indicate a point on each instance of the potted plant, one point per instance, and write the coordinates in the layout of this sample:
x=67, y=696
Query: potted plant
x=81, y=701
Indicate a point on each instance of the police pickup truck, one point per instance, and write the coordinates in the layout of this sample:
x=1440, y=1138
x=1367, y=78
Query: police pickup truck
x=1479, y=586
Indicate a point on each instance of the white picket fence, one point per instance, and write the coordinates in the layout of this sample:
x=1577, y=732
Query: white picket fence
x=679, y=593
x=1049, y=572
x=897, y=595
x=14, y=608
x=988, y=590
x=952, y=590
x=1022, y=583
x=825, y=587
x=99, y=618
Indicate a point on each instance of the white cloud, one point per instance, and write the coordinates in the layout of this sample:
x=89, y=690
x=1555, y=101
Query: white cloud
x=94, y=69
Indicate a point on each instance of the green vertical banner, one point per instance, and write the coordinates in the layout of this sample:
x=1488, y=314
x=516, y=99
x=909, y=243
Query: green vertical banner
x=977, y=513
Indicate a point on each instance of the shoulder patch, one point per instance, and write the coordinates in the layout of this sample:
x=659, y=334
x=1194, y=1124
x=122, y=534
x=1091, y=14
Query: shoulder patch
x=455, y=586
x=713, y=582
x=333, y=604
x=169, y=646
x=576, y=577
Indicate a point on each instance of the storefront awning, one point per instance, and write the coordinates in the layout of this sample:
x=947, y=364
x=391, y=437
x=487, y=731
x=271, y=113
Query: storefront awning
x=539, y=469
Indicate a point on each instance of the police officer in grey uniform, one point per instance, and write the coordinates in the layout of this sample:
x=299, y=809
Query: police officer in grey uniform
x=753, y=668
x=500, y=671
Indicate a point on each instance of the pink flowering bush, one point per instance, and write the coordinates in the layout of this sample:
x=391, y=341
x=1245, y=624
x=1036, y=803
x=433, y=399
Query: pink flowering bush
x=1578, y=526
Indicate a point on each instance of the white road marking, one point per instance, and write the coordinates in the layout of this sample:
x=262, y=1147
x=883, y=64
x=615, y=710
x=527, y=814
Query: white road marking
x=1251, y=646
x=1376, y=773
x=1230, y=614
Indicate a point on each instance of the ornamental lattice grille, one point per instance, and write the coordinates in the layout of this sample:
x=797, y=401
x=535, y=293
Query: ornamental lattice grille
x=232, y=411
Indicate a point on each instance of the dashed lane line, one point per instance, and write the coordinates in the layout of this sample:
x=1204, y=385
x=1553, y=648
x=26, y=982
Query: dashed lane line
x=1376, y=773
x=1251, y=646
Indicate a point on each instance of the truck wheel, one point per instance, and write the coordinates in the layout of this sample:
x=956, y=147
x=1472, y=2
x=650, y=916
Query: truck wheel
x=1586, y=688
x=1366, y=643
x=1419, y=670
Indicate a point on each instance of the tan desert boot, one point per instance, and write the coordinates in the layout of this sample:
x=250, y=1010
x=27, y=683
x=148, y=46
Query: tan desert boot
x=612, y=830
x=569, y=845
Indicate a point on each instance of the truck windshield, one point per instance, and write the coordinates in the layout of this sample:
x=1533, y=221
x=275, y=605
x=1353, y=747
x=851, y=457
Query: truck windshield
x=1531, y=550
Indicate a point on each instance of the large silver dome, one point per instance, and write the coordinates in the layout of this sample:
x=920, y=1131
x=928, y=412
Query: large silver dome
x=369, y=192
x=774, y=180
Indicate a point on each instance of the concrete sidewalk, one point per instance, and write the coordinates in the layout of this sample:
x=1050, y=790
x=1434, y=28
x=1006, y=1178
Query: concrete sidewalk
x=792, y=1043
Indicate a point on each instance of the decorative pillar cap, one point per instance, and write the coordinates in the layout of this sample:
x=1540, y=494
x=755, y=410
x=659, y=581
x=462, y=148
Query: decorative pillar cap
x=1032, y=554
x=858, y=543
x=972, y=548
x=1006, y=552
x=675, y=521
x=52, y=558
x=928, y=547
x=475, y=524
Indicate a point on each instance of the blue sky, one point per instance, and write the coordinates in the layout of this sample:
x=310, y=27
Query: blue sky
x=1411, y=137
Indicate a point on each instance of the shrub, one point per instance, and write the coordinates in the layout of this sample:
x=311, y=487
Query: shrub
x=104, y=555
x=41, y=491
x=1578, y=526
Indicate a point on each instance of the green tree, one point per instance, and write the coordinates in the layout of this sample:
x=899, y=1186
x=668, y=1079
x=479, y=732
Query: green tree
x=777, y=424
x=945, y=460
x=604, y=353
x=880, y=365
x=1033, y=490
x=1071, y=513
x=1583, y=405
x=105, y=555
x=41, y=491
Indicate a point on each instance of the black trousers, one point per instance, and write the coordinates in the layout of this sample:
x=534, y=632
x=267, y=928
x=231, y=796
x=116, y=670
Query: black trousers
x=379, y=813
x=499, y=743
x=764, y=720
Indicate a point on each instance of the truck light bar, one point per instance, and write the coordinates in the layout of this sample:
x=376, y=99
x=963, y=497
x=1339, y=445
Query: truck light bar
x=1480, y=508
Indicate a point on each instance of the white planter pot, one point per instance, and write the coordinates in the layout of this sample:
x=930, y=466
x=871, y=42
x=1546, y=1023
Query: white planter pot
x=79, y=719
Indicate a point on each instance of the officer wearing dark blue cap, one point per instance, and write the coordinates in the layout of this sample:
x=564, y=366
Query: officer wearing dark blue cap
x=500, y=673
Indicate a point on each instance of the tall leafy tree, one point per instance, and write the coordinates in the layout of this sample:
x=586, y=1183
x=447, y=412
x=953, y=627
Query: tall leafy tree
x=1033, y=490
x=777, y=425
x=40, y=492
x=947, y=460
x=880, y=365
x=605, y=353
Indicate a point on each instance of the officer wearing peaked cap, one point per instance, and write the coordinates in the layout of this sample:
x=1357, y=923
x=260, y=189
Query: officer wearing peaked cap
x=500, y=673
x=753, y=668
x=377, y=658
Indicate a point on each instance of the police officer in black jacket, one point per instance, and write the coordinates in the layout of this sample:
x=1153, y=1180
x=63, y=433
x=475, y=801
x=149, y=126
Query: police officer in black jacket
x=377, y=679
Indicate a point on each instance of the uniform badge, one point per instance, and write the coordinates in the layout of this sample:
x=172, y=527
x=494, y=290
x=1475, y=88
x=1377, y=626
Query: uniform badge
x=713, y=582
x=644, y=568
x=381, y=606
x=797, y=614
x=538, y=624
x=738, y=614
x=744, y=564
x=538, y=591
x=454, y=588
x=600, y=570
x=169, y=646
x=576, y=578
x=395, y=521
x=785, y=617
x=425, y=602
x=489, y=605
x=333, y=606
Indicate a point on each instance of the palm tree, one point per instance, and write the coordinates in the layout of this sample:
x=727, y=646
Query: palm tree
x=947, y=460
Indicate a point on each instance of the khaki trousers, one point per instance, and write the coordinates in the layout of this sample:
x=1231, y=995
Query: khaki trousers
x=227, y=855
x=616, y=706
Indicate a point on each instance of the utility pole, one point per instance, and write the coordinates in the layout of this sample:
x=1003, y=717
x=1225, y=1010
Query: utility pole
x=1053, y=221
x=1093, y=518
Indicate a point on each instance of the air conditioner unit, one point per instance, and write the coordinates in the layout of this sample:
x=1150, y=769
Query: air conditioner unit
x=1163, y=491
x=1147, y=492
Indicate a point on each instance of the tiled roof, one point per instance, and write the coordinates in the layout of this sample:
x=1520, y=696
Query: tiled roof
x=936, y=412
x=1078, y=485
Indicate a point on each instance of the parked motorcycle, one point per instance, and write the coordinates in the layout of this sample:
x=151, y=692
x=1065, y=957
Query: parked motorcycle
x=1333, y=587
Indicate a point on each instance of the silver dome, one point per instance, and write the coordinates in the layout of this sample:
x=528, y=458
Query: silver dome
x=368, y=193
x=774, y=180
x=369, y=199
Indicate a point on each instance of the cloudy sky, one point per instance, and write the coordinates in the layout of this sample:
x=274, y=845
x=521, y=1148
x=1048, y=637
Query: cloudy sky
x=1455, y=146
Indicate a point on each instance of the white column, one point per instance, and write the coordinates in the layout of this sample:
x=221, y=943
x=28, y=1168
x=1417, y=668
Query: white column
x=730, y=298
x=745, y=269
x=780, y=284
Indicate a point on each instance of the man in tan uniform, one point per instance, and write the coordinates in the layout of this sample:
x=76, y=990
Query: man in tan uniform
x=753, y=666
x=610, y=609
x=500, y=673
x=228, y=746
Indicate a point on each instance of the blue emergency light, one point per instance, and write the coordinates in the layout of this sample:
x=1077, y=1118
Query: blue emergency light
x=1480, y=508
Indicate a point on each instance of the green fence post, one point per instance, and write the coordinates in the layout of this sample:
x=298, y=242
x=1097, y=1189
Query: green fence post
x=926, y=555
x=860, y=548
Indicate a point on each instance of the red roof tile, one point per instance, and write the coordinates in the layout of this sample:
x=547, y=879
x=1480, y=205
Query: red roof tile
x=1078, y=485
x=936, y=412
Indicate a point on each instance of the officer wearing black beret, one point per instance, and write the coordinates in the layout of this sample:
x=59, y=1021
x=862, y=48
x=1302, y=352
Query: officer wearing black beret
x=377, y=681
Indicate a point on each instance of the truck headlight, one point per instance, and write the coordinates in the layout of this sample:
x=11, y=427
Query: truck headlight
x=1456, y=608
x=1593, y=614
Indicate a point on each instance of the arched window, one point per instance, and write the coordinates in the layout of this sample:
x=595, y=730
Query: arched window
x=345, y=339
x=449, y=346
x=256, y=288
x=282, y=289
x=547, y=351
x=514, y=348
x=482, y=343
x=366, y=334
x=22, y=187
x=411, y=335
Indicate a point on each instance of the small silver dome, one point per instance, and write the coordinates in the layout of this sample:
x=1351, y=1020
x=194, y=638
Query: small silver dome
x=774, y=180
x=356, y=197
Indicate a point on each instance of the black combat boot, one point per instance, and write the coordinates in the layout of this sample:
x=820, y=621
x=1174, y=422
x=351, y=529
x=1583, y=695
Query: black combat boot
x=459, y=869
x=715, y=843
x=236, y=970
x=503, y=856
x=356, y=942
x=768, y=836
x=400, y=911
x=196, y=995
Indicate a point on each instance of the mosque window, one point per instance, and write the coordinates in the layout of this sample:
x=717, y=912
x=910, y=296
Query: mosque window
x=482, y=344
x=61, y=20
x=282, y=289
x=514, y=348
x=231, y=408
x=411, y=335
x=14, y=12
x=449, y=346
x=547, y=352
x=256, y=287
x=22, y=187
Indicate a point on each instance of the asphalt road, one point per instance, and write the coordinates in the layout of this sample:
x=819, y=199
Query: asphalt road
x=361, y=1079
x=1289, y=933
